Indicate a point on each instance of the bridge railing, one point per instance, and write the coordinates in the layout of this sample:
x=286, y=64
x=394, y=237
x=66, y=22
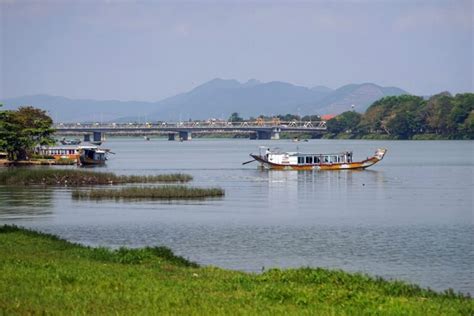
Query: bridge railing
x=259, y=123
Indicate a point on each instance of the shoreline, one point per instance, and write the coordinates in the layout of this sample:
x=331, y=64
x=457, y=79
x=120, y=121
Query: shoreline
x=42, y=273
x=42, y=162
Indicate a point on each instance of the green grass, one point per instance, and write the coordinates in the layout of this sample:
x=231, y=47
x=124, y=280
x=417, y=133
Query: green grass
x=75, y=177
x=42, y=274
x=161, y=192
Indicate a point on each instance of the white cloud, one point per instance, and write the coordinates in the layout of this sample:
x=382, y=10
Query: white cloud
x=435, y=16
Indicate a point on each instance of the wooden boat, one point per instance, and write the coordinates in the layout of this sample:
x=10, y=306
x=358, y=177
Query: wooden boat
x=302, y=161
x=92, y=155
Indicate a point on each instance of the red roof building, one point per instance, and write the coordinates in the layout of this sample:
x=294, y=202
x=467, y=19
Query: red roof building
x=327, y=117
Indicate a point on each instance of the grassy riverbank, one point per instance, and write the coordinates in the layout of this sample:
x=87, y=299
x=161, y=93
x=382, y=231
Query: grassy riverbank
x=75, y=177
x=161, y=192
x=42, y=274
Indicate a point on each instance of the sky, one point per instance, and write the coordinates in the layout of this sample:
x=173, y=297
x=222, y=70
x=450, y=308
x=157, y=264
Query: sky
x=150, y=50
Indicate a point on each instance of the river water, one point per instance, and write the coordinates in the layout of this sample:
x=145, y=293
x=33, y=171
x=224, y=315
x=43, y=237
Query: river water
x=410, y=217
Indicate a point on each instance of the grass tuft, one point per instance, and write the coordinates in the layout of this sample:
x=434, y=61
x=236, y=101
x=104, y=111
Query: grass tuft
x=161, y=192
x=74, y=177
x=138, y=255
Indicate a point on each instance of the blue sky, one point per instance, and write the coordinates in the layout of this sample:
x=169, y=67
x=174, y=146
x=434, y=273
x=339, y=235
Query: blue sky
x=149, y=50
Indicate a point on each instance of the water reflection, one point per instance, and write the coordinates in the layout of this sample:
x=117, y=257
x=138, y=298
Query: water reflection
x=22, y=202
x=306, y=184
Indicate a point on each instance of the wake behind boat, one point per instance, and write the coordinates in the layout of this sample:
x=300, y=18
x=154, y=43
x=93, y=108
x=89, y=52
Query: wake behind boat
x=306, y=161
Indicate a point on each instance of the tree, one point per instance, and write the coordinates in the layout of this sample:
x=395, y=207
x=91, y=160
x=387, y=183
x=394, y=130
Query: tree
x=22, y=130
x=467, y=128
x=463, y=105
x=288, y=117
x=345, y=122
x=389, y=115
x=2, y=127
x=335, y=126
x=438, y=109
x=311, y=118
x=403, y=124
x=234, y=117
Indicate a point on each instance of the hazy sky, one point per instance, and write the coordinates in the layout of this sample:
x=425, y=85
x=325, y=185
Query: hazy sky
x=148, y=50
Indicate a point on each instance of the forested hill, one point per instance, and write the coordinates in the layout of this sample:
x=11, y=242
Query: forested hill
x=442, y=116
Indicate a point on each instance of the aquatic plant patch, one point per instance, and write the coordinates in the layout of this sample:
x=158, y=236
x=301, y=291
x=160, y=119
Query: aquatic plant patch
x=155, y=192
x=75, y=177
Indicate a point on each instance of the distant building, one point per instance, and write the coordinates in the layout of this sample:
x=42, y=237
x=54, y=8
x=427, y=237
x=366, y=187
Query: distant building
x=327, y=117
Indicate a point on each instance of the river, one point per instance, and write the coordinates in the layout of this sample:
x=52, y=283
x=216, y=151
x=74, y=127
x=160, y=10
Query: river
x=410, y=217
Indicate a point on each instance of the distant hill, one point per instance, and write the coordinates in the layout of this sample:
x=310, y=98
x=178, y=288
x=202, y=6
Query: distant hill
x=63, y=109
x=361, y=96
x=217, y=98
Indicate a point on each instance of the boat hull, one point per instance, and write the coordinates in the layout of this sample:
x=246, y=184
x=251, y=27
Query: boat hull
x=88, y=161
x=92, y=157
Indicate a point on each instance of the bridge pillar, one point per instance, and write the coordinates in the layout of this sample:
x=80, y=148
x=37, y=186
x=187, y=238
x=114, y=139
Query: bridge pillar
x=276, y=133
x=264, y=135
x=97, y=136
x=87, y=137
x=185, y=135
x=171, y=136
x=253, y=136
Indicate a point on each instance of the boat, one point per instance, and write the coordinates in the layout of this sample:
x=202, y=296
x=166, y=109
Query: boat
x=59, y=152
x=92, y=155
x=276, y=159
x=297, y=139
x=65, y=141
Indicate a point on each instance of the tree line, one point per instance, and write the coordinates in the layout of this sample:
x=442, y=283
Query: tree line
x=442, y=116
x=235, y=117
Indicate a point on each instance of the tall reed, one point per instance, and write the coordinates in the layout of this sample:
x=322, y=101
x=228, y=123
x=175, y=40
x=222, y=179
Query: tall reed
x=75, y=177
x=161, y=192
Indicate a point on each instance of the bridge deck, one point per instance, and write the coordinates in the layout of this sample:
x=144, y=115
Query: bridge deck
x=196, y=126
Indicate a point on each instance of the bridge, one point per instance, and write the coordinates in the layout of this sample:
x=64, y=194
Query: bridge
x=259, y=129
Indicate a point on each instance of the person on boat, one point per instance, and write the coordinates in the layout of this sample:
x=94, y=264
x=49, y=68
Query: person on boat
x=267, y=153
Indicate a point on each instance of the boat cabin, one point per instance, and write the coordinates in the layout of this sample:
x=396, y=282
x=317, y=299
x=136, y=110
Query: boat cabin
x=308, y=159
x=296, y=158
x=59, y=152
x=93, y=154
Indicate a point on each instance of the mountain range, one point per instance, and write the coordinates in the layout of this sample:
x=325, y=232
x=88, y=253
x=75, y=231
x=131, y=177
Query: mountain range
x=217, y=98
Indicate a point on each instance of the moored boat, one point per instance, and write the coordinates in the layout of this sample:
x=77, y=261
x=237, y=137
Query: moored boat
x=307, y=161
x=59, y=152
x=92, y=155
x=74, y=141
